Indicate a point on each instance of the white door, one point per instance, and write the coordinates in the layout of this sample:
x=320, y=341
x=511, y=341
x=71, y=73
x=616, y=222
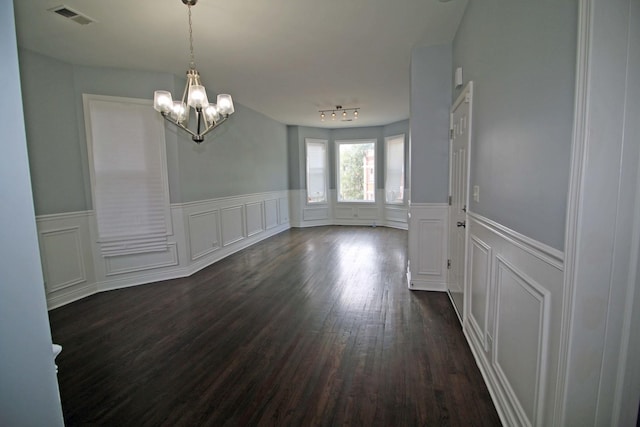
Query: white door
x=458, y=189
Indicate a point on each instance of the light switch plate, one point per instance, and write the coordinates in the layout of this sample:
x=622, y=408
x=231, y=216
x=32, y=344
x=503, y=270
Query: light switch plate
x=476, y=193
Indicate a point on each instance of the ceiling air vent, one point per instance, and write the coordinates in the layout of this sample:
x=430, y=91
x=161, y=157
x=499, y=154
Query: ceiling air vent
x=71, y=14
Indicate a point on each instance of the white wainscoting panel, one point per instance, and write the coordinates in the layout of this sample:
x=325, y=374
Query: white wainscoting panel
x=478, y=298
x=396, y=214
x=315, y=213
x=522, y=317
x=270, y=213
x=283, y=210
x=514, y=312
x=254, y=218
x=342, y=213
x=131, y=263
x=232, y=224
x=65, y=252
x=64, y=260
x=428, y=225
x=204, y=233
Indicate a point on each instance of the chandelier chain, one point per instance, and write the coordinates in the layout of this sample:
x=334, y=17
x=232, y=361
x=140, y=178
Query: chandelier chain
x=192, y=62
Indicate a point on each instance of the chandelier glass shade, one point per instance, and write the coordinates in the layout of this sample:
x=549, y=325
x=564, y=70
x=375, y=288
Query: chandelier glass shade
x=208, y=116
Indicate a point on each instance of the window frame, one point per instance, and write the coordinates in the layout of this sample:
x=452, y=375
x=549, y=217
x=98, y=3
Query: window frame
x=145, y=242
x=325, y=142
x=338, y=143
x=387, y=141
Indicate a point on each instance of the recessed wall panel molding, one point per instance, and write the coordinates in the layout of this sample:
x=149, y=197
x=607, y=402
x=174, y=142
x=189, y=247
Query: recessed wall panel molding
x=396, y=214
x=513, y=316
x=254, y=218
x=232, y=224
x=367, y=212
x=270, y=213
x=204, y=235
x=62, y=258
x=123, y=264
x=478, y=272
x=66, y=254
x=521, y=340
x=74, y=265
x=283, y=209
x=428, y=246
x=315, y=213
x=345, y=212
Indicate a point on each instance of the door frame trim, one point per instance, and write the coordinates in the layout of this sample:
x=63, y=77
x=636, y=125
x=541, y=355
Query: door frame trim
x=466, y=95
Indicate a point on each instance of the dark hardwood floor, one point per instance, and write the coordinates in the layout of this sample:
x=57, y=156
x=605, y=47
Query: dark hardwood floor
x=310, y=327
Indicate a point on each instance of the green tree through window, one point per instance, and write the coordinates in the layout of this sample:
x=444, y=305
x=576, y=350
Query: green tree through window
x=356, y=168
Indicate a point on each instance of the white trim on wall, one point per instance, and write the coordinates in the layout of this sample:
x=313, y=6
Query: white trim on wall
x=514, y=292
x=428, y=243
x=76, y=268
x=346, y=213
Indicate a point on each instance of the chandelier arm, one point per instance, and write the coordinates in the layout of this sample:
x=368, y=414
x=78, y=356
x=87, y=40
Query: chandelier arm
x=180, y=125
x=215, y=125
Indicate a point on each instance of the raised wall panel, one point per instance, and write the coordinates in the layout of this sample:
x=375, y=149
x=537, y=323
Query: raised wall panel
x=367, y=212
x=123, y=264
x=315, y=213
x=429, y=231
x=62, y=258
x=478, y=292
x=345, y=212
x=283, y=209
x=254, y=223
x=398, y=214
x=232, y=224
x=520, y=342
x=203, y=233
x=428, y=247
x=270, y=213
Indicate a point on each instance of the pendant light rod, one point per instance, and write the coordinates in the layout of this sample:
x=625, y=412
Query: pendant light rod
x=207, y=116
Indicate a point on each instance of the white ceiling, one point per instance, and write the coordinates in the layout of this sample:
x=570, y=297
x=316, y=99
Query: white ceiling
x=284, y=58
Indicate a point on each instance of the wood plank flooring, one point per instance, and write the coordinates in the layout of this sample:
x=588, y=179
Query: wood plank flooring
x=310, y=327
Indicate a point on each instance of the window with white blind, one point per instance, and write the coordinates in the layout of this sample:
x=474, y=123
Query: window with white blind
x=394, y=169
x=316, y=170
x=126, y=147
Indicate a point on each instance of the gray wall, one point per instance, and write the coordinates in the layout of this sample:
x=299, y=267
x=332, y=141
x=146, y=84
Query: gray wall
x=521, y=57
x=296, y=136
x=430, y=105
x=28, y=387
x=244, y=156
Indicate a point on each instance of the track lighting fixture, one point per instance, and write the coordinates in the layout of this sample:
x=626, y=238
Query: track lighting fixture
x=344, y=113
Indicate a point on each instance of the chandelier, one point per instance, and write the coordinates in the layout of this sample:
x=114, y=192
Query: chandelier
x=207, y=116
x=343, y=112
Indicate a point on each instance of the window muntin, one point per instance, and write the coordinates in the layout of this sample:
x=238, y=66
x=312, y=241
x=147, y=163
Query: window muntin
x=394, y=169
x=356, y=171
x=316, y=150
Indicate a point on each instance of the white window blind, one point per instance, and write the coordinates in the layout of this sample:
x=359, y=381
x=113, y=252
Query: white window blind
x=126, y=148
x=394, y=169
x=316, y=170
